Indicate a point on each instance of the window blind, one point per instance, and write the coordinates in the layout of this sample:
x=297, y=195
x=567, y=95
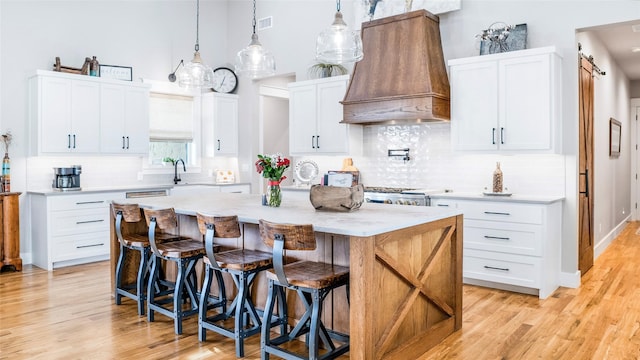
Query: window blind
x=170, y=117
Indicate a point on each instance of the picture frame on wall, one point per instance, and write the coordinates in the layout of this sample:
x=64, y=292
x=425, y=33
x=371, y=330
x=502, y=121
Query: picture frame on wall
x=116, y=72
x=615, y=137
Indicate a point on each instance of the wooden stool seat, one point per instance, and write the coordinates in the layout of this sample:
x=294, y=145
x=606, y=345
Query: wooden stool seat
x=241, y=260
x=242, y=265
x=313, y=275
x=312, y=282
x=180, y=249
x=164, y=296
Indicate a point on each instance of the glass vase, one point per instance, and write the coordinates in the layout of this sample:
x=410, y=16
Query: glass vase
x=274, y=193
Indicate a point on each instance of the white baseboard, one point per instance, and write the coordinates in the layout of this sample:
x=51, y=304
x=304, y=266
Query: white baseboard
x=602, y=245
x=570, y=280
x=26, y=258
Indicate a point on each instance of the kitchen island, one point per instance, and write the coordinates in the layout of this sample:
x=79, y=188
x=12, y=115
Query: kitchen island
x=405, y=265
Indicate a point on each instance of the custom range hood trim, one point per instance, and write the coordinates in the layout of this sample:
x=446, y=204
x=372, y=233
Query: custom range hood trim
x=402, y=77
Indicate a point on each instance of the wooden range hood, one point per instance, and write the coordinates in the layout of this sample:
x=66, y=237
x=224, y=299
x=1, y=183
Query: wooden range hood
x=402, y=77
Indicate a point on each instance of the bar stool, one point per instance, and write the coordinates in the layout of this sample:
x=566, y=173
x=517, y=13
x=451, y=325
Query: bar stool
x=135, y=240
x=163, y=296
x=312, y=281
x=242, y=265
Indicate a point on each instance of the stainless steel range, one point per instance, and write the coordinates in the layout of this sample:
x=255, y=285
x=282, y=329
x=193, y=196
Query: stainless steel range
x=399, y=196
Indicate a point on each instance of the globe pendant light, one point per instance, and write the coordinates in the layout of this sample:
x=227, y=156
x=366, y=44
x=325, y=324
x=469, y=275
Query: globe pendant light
x=195, y=74
x=254, y=61
x=337, y=44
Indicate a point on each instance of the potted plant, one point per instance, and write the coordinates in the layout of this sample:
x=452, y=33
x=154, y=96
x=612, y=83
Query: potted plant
x=323, y=70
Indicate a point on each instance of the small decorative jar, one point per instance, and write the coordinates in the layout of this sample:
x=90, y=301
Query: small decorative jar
x=497, y=179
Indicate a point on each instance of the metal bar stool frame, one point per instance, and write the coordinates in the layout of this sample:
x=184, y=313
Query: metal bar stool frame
x=310, y=323
x=242, y=309
x=161, y=292
x=145, y=253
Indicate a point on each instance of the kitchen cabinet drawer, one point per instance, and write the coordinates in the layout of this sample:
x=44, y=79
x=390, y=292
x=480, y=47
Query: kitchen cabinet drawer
x=521, y=239
x=502, y=268
x=243, y=189
x=501, y=211
x=80, y=221
x=84, y=201
x=80, y=246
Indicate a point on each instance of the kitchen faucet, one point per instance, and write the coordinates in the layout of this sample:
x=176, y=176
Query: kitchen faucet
x=176, y=178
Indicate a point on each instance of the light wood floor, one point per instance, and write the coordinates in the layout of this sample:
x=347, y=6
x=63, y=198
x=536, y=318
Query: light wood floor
x=69, y=314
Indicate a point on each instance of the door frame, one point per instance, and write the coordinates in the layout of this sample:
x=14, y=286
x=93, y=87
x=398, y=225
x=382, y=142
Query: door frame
x=634, y=117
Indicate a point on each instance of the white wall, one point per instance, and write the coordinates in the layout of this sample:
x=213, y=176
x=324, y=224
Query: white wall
x=634, y=89
x=612, y=188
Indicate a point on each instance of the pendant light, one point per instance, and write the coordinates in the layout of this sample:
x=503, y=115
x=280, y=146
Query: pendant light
x=254, y=61
x=337, y=44
x=195, y=74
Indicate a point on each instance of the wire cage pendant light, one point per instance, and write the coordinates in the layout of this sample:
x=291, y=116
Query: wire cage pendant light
x=254, y=61
x=196, y=74
x=337, y=44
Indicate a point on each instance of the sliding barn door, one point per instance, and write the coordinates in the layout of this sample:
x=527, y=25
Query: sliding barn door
x=585, y=198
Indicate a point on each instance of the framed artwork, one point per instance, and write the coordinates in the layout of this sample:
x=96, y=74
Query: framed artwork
x=615, y=137
x=517, y=40
x=116, y=72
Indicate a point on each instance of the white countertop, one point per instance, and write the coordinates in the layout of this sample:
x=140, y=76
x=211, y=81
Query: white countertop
x=521, y=198
x=89, y=190
x=370, y=219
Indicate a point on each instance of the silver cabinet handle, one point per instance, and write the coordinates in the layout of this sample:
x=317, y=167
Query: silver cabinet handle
x=218, y=144
x=443, y=205
x=89, y=202
x=493, y=136
x=123, y=143
x=502, y=135
x=74, y=141
x=127, y=143
x=496, y=268
x=496, y=237
x=496, y=213
x=86, y=246
x=89, y=221
x=313, y=144
x=68, y=141
x=317, y=141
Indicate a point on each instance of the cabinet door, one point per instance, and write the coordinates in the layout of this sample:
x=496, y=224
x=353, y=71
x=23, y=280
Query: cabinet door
x=112, y=114
x=525, y=103
x=332, y=136
x=136, y=120
x=85, y=116
x=474, y=106
x=302, y=119
x=225, y=125
x=55, y=115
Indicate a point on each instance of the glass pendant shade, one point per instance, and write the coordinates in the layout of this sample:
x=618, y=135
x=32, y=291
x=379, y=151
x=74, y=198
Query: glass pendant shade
x=254, y=61
x=195, y=74
x=337, y=44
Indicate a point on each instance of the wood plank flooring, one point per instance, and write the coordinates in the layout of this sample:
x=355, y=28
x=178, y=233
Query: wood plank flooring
x=69, y=313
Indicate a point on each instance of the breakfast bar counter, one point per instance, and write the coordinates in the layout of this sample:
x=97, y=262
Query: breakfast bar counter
x=405, y=265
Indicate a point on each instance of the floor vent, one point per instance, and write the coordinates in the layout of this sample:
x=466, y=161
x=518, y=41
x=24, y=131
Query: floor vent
x=265, y=23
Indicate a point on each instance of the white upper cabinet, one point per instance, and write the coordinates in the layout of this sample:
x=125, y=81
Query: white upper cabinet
x=124, y=120
x=86, y=115
x=220, y=124
x=315, y=113
x=67, y=113
x=508, y=102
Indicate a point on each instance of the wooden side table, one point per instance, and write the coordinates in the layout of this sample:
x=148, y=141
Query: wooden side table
x=10, y=231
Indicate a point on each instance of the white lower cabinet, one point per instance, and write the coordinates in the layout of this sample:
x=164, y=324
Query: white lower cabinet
x=70, y=229
x=510, y=245
x=191, y=189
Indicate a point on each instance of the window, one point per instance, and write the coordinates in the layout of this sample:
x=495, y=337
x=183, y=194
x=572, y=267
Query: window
x=174, y=119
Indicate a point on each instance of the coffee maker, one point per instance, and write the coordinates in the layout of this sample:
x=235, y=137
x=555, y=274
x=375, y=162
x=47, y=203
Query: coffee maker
x=67, y=178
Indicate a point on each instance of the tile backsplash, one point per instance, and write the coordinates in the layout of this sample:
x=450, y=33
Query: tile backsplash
x=434, y=165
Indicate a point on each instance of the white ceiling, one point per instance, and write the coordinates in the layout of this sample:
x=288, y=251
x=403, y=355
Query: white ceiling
x=619, y=39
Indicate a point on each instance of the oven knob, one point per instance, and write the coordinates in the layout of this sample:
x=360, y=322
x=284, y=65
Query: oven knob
x=387, y=201
x=367, y=199
x=400, y=202
x=414, y=203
